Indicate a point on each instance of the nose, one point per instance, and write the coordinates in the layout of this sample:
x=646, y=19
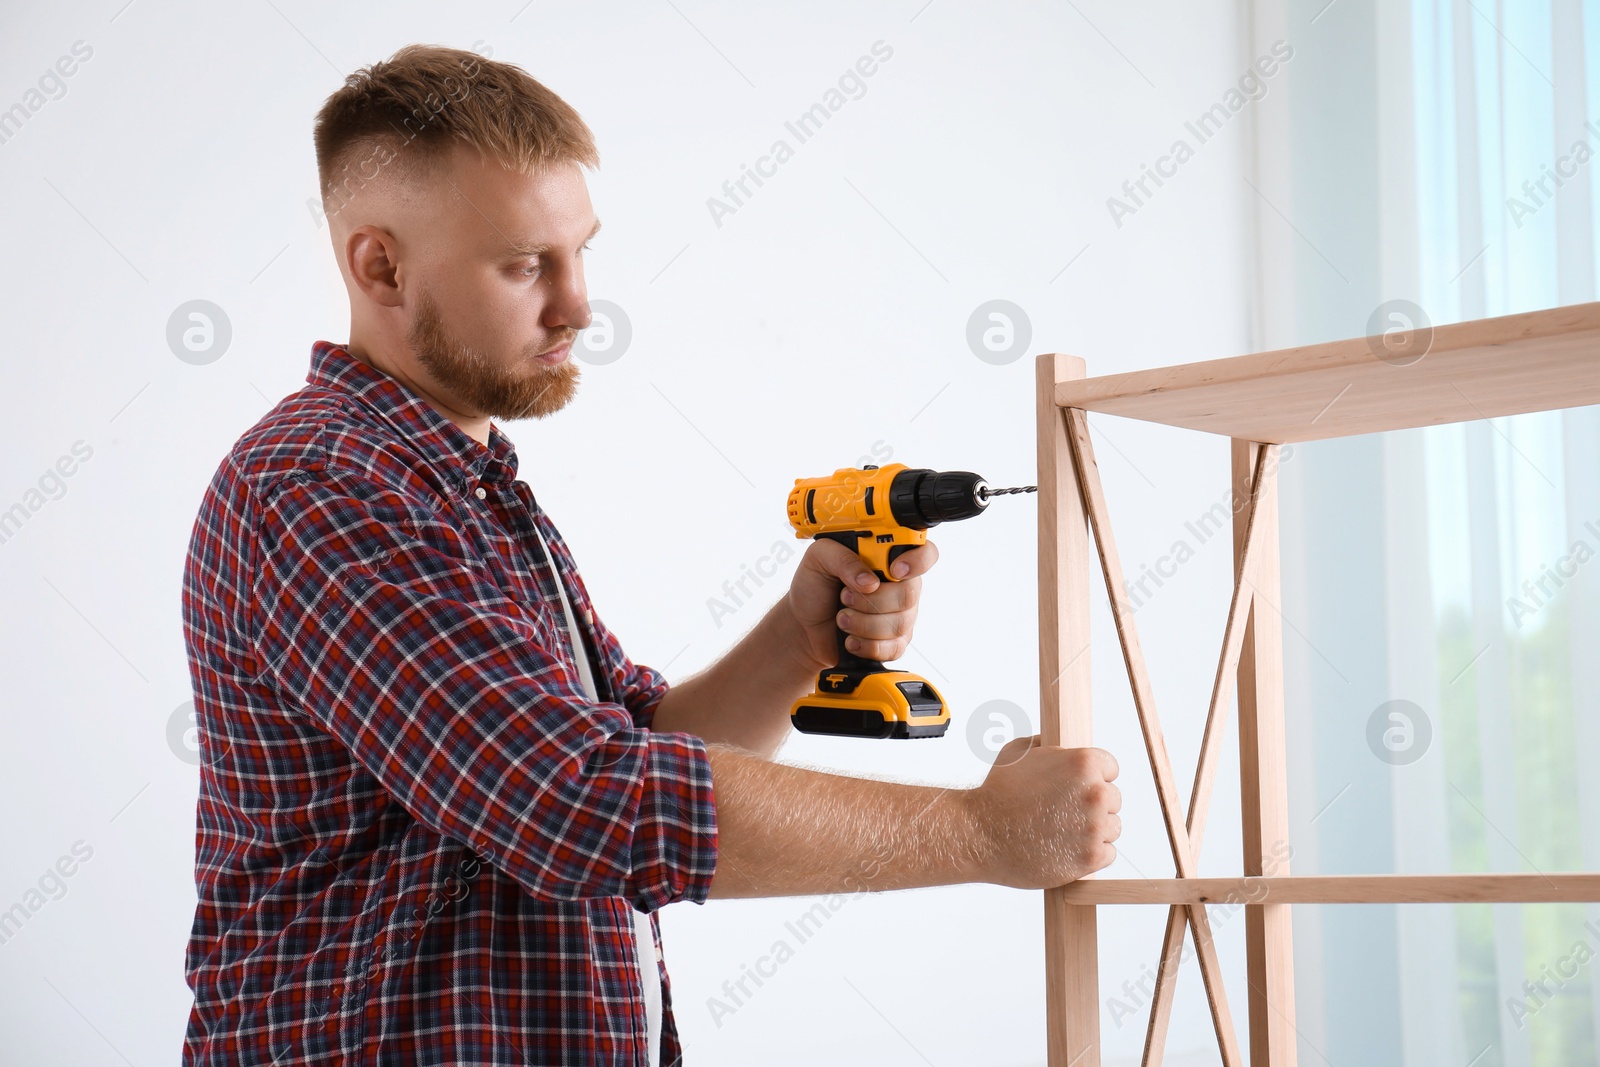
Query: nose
x=567, y=305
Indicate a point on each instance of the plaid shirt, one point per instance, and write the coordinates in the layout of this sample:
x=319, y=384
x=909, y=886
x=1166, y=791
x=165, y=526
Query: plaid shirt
x=418, y=841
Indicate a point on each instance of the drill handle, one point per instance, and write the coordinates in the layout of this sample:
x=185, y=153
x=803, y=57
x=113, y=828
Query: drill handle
x=851, y=539
x=850, y=661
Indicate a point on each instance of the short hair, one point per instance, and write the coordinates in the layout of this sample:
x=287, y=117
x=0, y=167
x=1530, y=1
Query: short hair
x=407, y=111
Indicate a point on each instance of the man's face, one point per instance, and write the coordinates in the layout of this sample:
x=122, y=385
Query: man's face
x=497, y=280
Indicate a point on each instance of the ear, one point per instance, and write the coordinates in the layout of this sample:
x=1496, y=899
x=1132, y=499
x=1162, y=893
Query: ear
x=371, y=255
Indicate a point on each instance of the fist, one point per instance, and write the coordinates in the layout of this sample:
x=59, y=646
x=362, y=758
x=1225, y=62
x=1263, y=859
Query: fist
x=834, y=587
x=1045, y=815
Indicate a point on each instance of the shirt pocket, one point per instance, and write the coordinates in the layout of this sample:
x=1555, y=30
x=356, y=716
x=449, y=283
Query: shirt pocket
x=550, y=623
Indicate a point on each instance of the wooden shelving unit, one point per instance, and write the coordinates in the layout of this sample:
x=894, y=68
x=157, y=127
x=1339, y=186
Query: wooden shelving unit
x=1535, y=361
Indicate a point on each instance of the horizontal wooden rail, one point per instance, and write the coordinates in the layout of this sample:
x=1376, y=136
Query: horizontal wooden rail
x=1340, y=889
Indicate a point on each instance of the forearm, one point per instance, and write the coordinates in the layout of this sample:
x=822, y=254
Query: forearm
x=744, y=698
x=785, y=831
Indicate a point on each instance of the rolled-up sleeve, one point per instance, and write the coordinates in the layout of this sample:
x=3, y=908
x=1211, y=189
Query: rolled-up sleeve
x=374, y=617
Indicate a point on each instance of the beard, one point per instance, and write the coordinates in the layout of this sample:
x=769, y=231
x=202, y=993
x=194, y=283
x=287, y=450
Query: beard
x=525, y=389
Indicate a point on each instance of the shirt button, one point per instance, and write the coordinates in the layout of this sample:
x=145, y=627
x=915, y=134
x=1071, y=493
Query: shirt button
x=480, y=492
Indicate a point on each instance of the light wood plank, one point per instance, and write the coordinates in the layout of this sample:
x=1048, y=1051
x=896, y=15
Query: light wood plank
x=1263, y=780
x=1526, y=888
x=1072, y=959
x=1531, y=361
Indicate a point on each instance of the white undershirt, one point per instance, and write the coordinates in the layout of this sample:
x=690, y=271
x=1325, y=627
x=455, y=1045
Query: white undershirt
x=643, y=939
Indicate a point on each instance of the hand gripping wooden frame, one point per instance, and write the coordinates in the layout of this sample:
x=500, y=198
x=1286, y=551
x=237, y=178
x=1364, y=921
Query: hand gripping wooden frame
x=1536, y=361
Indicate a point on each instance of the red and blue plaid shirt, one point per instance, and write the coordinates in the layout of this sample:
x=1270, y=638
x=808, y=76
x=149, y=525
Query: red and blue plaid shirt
x=418, y=841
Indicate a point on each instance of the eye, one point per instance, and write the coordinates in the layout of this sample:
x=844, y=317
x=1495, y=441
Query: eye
x=528, y=272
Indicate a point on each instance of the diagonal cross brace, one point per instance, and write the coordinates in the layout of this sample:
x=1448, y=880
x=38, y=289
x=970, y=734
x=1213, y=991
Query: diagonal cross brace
x=1183, y=837
x=1262, y=484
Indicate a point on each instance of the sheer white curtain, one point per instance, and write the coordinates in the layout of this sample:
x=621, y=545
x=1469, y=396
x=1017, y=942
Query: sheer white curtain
x=1441, y=586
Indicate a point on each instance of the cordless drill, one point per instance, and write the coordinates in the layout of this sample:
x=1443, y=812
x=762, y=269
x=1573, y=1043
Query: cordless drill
x=879, y=513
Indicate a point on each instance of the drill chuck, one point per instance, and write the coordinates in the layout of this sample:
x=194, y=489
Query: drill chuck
x=920, y=498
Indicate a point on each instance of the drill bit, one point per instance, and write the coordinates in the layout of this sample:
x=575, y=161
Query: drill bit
x=986, y=492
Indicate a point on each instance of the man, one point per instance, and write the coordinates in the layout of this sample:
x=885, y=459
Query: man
x=437, y=813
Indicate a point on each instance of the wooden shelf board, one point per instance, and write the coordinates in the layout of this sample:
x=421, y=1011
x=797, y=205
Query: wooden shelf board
x=1532, y=361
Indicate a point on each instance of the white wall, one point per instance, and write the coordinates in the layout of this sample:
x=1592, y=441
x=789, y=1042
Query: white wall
x=827, y=316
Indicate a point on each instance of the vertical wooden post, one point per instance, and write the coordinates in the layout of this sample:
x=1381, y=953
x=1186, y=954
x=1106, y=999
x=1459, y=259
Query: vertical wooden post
x=1263, y=779
x=1072, y=958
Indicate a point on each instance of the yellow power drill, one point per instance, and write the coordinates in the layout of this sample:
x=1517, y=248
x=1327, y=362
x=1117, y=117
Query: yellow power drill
x=879, y=513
